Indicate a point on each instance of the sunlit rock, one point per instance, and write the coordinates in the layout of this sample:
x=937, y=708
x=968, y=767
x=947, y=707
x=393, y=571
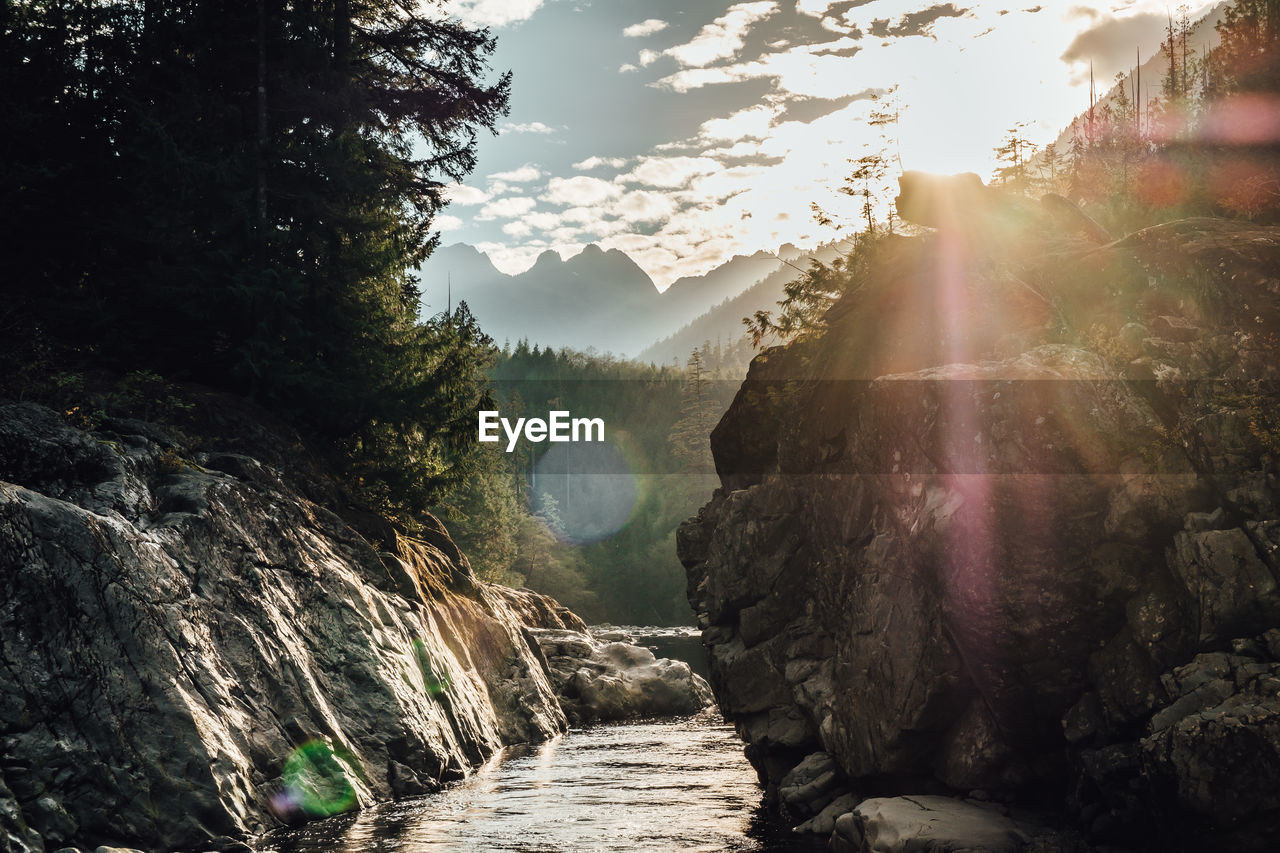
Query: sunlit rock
x=932, y=824
x=602, y=680
x=201, y=653
x=975, y=534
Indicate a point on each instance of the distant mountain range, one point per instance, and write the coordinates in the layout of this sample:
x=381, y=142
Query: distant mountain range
x=723, y=323
x=596, y=299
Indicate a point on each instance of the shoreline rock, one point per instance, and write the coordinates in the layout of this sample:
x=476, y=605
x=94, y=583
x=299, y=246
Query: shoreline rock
x=195, y=656
x=967, y=549
x=604, y=680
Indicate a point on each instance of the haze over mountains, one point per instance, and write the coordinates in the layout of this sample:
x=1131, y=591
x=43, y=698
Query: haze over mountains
x=596, y=299
x=723, y=323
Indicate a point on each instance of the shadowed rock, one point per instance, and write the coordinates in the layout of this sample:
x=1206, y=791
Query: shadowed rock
x=984, y=532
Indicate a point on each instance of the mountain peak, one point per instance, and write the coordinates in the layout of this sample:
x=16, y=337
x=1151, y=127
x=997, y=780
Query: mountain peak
x=546, y=260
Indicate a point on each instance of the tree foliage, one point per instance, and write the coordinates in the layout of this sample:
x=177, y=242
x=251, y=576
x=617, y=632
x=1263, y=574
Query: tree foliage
x=518, y=527
x=236, y=193
x=1194, y=150
x=699, y=412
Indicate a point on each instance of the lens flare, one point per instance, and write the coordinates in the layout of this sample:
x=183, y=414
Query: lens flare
x=584, y=492
x=317, y=782
x=1245, y=186
x=1159, y=183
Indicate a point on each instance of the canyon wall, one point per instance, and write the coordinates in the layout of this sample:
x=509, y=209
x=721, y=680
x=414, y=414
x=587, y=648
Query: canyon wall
x=193, y=650
x=1009, y=527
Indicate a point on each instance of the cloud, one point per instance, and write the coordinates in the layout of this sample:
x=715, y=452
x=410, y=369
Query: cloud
x=807, y=71
x=544, y=220
x=627, y=68
x=821, y=8
x=579, y=190
x=506, y=208
x=513, y=259
x=462, y=195
x=1109, y=44
x=522, y=175
x=645, y=28
x=723, y=37
x=921, y=23
x=763, y=151
x=495, y=13
x=596, y=162
x=669, y=172
x=644, y=206
x=814, y=8
x=751, y=123
x=525, y=127
x=918, y=23
x=447, y=223
x=806, y=110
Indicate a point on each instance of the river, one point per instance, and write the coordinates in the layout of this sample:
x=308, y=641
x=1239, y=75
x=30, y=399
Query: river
x=678, y=784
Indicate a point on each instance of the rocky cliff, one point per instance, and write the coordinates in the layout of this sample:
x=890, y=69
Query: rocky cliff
x=1009, y=527
x=193, y=648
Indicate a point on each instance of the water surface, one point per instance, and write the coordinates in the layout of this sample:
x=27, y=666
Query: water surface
x=658, y=785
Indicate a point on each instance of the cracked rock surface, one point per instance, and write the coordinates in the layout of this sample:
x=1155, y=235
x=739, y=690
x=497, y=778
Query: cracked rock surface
x=170, y=638
x=1011, y=524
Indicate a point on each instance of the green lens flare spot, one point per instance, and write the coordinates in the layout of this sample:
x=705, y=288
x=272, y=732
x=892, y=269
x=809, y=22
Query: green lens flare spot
x=318, y=779
x=434, y=679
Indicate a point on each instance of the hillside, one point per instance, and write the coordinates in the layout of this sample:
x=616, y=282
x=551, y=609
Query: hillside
x=723, y=323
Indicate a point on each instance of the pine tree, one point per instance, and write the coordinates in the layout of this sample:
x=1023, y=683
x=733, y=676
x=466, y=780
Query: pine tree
x=690, y=436
x=1247, y=58
x=236, y=193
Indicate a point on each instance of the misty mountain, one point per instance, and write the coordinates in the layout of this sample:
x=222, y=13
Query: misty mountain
x=596, y=299
x=723, y=323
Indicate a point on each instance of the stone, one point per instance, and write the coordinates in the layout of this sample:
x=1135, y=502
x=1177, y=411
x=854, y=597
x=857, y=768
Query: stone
x=824, y=822
x=807, y=788
x=978, y=548
x=203, y=652
x=602, y=680
x=933, y=824
x=846, y=836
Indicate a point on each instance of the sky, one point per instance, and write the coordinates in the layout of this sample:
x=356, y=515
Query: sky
x=684, y=132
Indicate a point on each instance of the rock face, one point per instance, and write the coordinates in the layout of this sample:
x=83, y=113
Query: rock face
x=1011, y=524
x=611, y=680
x=191, y=649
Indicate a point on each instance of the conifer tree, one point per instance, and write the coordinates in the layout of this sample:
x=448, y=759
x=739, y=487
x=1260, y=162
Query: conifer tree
x=691, y=435
x=236, y=193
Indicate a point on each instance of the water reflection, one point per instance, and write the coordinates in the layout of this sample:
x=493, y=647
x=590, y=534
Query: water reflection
x=662, y=785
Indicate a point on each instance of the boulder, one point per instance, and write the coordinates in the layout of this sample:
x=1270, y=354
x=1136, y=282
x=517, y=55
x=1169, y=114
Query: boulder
x=810, y=786
x=601, y=680
x=933, y=824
